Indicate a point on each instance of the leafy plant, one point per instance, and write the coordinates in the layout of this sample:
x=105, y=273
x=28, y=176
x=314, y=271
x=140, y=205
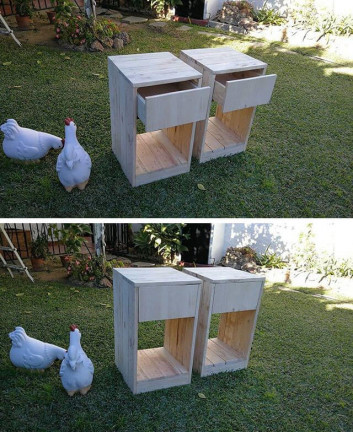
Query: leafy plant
x=305, y=256
x=270, y=260
x=63, y=8
x=266, y=15
x=71, y=236
x=39, y=247
x=77, y=30
x=87, y=268
x=24, y=7
x=163, y=239
x=162, y=6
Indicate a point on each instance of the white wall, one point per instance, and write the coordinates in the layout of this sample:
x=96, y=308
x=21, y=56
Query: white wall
x=332, y=236
x=336, y=7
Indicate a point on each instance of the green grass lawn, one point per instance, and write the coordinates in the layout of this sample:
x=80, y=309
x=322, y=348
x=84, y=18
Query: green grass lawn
x=298, y=162
x=299, y=377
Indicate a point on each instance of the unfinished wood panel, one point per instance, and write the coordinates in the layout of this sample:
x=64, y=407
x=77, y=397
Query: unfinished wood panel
x=237, y=121
x=165, y=93
x=237, y=82
x=172, y=109
x=229, y=297
x=224, y=290
x=181, y=137
x=178, y=340
x=167, y=302
x=203, y=325
x=244, y=93
x=235, y=330
x=154, y=294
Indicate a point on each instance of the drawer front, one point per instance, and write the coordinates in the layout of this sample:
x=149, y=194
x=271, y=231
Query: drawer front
x=167, y=302
x=173, y=109
x=244, y=93
x=233, y=297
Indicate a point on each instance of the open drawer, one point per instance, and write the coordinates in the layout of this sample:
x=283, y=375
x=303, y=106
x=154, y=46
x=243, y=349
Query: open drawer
x=240, y=90
x=169, y=105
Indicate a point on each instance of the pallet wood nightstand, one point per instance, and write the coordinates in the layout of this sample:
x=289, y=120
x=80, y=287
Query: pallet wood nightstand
x=238, y=84
x=142, y=295
x=165, y=93
x=236, y=295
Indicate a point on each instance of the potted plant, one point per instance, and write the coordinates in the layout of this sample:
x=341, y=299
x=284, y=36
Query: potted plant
x=23, y=13
x=39, y=252
x=72, y=237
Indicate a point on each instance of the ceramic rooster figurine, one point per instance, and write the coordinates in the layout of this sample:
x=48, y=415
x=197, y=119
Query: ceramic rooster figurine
x=76, y=369
x=30, y=353
x=27, y=144
x=74, y=164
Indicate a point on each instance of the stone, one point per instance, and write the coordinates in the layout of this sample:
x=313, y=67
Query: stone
x=124, y=36
x=184, y=28
x=134, y=20
x=143, y=264
x=157, y=25
x=108, y=12
x=108, y=42
x=118, y=44
x=96, y=46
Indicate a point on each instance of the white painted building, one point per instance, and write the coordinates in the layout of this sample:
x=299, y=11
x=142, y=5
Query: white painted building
x=336, y=7
x=332, y=236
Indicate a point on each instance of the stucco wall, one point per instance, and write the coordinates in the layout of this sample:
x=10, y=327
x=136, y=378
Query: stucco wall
x=331, y=236
x=336, y=7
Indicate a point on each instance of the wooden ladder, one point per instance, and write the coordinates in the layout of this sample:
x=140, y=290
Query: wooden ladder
x=8, y=31
x=11, y=248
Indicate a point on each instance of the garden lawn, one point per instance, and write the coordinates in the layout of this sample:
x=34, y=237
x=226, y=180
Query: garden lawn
x=299, y=160
x=299, y=376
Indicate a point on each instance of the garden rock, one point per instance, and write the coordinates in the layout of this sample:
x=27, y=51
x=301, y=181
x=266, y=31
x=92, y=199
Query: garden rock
x=118, y=44
x=108, y=42
x=240, y=259
x=134, y=20
x=124, y=36
x=158, y=25
x=238, y=15
x=96, y=46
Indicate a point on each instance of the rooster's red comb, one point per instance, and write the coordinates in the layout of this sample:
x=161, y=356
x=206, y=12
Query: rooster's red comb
x=73, y=327
x=68, y=120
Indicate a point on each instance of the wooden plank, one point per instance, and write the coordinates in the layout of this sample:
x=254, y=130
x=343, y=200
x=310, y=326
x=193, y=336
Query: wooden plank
x=219, y=274
x=177, y=108
x=203, y=326
x=224, y=351
x=238, y=121
x=180, y=137
x=156, y=276
x=248, y=92
x=222, y=60
x=178, y=340
x=231, y=297
x=153, y=69
x=222, y=133
x=167, y=302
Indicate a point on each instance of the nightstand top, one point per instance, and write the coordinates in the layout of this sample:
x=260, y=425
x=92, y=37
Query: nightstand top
x=157, y=276
x=143, y=70
x=223, y=60
x=223, y=274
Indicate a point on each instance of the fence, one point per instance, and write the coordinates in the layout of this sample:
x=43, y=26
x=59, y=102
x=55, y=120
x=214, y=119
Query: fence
x=7, y=7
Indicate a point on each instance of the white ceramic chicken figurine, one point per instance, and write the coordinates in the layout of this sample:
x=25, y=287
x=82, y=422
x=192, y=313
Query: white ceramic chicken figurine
x=32, y=353
x=76, y=369
x=27, y=144
x=73, y=164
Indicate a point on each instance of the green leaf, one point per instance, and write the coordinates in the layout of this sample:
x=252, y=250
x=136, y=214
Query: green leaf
x=201, y=186
x=39, y=61
x=62, y=54
x=67, y=58
x=28, y=312
x=20, y=294
x=201, y=395
x=7, y=63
